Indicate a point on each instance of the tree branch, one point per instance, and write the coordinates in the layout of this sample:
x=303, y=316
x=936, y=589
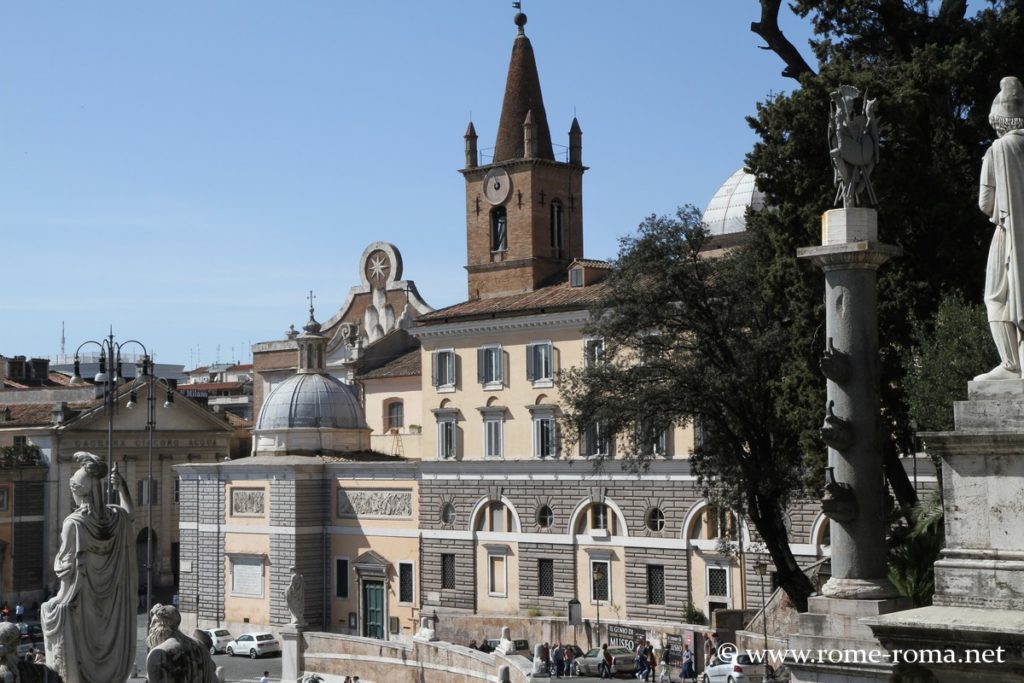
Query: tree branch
x=768, y=29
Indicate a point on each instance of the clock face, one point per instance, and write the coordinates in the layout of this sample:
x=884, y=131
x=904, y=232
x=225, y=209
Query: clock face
x=497, y=185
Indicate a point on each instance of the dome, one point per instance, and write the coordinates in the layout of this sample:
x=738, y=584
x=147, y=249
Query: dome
x=311, y=400
x=726, y=212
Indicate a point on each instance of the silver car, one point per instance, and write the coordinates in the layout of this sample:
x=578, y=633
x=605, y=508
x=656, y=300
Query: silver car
x=622, y=661
x=734, y=667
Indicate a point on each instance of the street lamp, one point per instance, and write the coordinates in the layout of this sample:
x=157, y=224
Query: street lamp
x=761, y=568
x=599, y=578
x=107, y=382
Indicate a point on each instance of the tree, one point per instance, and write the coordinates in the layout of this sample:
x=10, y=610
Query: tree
x=689, y=337
x=934, y=72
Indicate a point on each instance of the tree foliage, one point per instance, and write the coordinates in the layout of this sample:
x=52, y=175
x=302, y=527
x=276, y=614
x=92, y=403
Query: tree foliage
x=689, y=337
x=934, y=72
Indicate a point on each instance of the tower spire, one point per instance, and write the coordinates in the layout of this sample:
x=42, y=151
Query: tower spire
x=522, y=94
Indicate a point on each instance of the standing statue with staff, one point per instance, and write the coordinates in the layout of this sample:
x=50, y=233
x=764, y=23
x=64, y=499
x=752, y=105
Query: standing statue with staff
x=89, y=626
x=1001, y=197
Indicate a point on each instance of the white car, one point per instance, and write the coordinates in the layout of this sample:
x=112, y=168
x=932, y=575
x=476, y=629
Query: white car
x=254, y=644
x=219, y=639
x=734, y=668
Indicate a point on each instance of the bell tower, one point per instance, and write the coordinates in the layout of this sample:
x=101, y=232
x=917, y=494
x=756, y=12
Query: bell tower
x=524, y=207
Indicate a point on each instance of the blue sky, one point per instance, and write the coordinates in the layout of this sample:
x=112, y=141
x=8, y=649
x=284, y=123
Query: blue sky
x=186, y=171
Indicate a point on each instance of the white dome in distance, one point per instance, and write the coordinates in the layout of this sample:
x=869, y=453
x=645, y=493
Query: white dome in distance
x=727, y=211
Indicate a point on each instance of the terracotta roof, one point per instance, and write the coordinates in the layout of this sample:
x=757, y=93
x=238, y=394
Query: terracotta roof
x=558, y=297
x=243, y=367
x=590, y=263
x=59, y=378
x=236, y=421
x=33, y=414
x=406, y=365
x=522, y=95
x=201, y=368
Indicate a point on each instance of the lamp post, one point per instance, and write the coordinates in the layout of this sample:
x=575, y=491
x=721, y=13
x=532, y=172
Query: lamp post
x=107, y=378
x=761, y=568
x=599, y=578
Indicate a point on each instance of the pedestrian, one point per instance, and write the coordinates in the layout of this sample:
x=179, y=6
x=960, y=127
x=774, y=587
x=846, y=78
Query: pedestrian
x=604, y=667
x=569, y=662
x=688, y=671
x=559, y=659
x=19, y=612
x=652, y=663
x=711, y=650
x=5, y=611
x=266, y=677
x=638, y=659
x=545, y=657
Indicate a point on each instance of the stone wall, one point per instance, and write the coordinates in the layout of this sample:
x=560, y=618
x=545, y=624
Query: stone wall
x=674, y=563
x=564, y=575
x=463, y=596
x=201, y=590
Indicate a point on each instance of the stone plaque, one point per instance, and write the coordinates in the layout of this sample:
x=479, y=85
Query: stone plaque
x=375, y=503
x=247, y=576
x=247, y=502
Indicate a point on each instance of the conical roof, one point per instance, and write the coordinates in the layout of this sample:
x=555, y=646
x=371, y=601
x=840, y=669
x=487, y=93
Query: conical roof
x=522, y=94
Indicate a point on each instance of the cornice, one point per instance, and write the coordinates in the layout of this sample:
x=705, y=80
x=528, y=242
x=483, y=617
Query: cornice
x=574, y=318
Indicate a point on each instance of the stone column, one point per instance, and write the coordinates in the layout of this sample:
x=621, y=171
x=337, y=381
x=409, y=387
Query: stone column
x=855, y=496
x=293, y=647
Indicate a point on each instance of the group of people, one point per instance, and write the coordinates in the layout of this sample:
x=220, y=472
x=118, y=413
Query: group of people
x=559, y=660
x=19, y=612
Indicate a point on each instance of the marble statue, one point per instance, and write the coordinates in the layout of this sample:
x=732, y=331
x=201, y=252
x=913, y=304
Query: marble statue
x=538, y=660
x=10, y=636
x=506, y=646
x=853, y=145
x=1001, y=197
x=426, y=631
x=295, y=597
x=173, y=656
x=89, y=626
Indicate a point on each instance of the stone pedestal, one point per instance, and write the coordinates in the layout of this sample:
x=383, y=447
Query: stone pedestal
x=293, y=647
x=979, y=577
x=844, y=648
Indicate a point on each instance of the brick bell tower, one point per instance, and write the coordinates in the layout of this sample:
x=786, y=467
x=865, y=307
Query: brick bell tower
x=524, y=210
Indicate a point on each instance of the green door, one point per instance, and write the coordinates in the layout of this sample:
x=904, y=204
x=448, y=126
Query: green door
x=373, y=609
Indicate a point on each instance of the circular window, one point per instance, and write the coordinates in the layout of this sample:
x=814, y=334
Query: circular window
x=448, y=514
x=545, y=517
x=655, y=519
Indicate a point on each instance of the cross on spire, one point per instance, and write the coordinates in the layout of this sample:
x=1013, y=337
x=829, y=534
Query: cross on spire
x=311, y=297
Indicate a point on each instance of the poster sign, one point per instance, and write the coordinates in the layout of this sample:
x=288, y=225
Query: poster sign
x=674, y=656
x=625, y=636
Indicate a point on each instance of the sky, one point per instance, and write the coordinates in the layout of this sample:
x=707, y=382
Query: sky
x=184, y=173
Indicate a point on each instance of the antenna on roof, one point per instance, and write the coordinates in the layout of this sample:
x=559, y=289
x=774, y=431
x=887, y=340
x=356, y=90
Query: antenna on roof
x=62, y=337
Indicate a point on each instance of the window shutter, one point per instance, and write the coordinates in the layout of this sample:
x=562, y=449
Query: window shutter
x=503, y=365
x=531, y=367
x=556, y=436
x=453, y=367
x=154, y=491
x=139, y=490
x=433, y=368
x=481, y=363
x=555, y=357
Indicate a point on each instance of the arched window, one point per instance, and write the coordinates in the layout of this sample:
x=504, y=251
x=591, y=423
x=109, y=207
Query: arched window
x=556, y=228
x=396, y=415
x=499, y=229
x=495, y=516
x=715, y=522
x=598, y=518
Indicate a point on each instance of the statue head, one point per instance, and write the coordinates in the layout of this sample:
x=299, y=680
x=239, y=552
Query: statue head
x=164, y=621
x=1007, y=111
x=87, y=482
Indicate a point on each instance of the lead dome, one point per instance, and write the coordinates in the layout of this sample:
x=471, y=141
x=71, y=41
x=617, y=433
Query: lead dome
x=726, y=213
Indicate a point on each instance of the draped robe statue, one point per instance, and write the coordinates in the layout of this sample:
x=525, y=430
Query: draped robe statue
x=89, y=626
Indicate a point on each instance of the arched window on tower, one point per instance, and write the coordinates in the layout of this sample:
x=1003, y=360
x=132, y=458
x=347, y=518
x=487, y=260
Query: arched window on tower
x=556, y=228
x=499, y=229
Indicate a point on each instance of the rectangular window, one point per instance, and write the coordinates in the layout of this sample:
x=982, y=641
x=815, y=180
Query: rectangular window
x=177, y=490
x=493, y=441
x=655, y=584
x=147, y=492
x=448, y=571
x=718, y=581
x=600, y=575
x=545, y=437
x=546, y=578
x=496, y=575
x=593, y=352
x=447, y=438
x=405, y=582
x=247, y=576
x=5, y=504
x=396, y=416
x=490, y=366
x=20, y=441
x=595, y=441
x=576, y=277
x=539, y=366
x=443, y=369
x=341, y=577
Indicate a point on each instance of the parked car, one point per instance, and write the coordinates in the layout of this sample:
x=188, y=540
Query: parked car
x=254, y=644
x=734, y=667
x=622, y=661
x=219, y=639
x=522, y=646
